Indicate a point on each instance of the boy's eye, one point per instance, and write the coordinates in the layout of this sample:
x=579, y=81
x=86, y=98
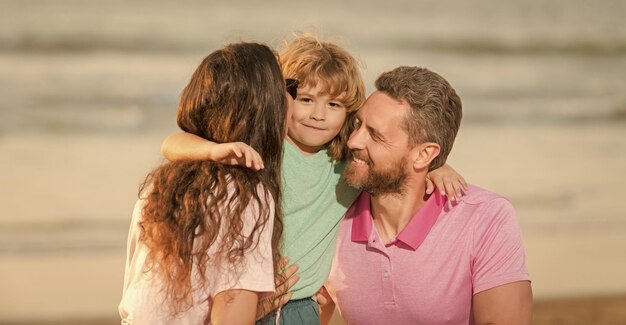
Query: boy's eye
x=335, y=105
x=305, y=99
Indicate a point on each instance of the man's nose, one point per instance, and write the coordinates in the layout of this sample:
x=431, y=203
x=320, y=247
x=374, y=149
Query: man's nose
x=356, y=139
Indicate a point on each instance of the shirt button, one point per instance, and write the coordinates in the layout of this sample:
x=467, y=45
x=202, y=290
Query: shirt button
x=386, y=274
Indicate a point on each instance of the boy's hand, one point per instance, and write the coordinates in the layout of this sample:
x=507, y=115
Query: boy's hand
x=448, y=182
x=235, y=153
x=322, y=297
x=326, y=304
x=187, y=146
x=284, y=281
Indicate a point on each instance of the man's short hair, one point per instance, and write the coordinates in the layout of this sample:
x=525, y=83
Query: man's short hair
x=435, y=114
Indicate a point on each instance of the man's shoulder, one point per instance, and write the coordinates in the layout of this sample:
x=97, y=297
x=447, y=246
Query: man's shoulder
x=484, y=206
x=478, y=196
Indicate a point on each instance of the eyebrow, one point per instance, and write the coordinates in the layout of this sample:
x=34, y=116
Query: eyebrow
x=339, y=98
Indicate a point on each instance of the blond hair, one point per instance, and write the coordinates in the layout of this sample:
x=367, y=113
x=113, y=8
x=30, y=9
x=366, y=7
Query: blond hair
x=310, y=60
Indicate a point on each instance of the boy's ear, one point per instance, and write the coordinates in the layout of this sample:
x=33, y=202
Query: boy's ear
x=423, y=154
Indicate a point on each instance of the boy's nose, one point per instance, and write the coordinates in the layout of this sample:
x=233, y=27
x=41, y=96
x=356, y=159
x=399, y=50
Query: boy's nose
x=317, y=113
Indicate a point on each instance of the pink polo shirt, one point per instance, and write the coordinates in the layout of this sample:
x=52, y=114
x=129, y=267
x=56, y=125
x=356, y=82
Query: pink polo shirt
x=430, y=271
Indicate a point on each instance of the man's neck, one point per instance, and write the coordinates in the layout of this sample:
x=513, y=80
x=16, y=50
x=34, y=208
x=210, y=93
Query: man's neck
x=393, y=212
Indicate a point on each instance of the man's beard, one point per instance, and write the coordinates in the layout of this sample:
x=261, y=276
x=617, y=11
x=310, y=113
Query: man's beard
x=391, y=180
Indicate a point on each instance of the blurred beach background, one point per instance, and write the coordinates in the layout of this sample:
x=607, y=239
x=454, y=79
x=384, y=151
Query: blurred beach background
x=88, y=90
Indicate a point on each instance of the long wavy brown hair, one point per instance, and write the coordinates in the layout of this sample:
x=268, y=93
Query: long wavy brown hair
x=236, y=94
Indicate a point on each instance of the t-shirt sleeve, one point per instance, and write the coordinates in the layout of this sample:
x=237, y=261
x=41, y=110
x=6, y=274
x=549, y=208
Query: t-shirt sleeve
x=498, y=256
x=132, y=242
x=256, y=270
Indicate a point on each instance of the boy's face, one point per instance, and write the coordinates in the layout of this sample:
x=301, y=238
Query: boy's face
x=315, y=120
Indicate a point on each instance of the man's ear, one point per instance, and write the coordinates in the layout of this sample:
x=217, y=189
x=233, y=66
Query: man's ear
x=424, y=153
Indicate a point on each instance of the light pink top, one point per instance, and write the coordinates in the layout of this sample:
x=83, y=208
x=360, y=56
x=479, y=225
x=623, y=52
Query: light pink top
x=430, y=271
x=142, y=297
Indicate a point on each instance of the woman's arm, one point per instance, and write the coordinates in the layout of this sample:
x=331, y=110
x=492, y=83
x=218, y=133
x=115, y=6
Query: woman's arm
x=187, y=146
x=234, y=307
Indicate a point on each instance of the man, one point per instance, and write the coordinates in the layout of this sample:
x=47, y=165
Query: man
x=404, y=257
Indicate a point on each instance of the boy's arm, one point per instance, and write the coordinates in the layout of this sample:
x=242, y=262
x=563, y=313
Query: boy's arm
x=447, y=181
x=187, y=146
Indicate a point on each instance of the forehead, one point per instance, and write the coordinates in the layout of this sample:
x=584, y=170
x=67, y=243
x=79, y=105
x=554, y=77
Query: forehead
x=382, y=111
x=318, y=86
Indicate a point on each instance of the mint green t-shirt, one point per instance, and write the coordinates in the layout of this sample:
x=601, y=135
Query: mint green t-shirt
x=314, y=201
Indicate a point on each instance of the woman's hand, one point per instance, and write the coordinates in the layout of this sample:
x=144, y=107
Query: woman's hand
x=284, y=280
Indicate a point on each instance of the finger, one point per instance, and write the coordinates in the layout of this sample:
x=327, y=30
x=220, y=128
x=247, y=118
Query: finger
x=259, y=161
x=282, y=300
x=449, y=189
x=237, y=151
x=457, y=189
x=233, y=161
x=321, y=299
x=248, y=161
x=283, y=262
x=290, y=271
x=255, y=158
x=285, y=286
x=460, y=187
x=429, y=186
x=440, y=186
x=463, y=182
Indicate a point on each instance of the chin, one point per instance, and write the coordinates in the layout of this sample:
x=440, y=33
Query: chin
x=354, y=176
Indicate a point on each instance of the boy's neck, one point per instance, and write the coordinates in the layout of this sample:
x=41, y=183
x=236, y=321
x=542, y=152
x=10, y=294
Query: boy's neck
x=305, y=150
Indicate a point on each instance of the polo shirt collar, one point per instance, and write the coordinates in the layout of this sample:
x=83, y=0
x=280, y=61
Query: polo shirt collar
x=362, y=220
x=415, y=231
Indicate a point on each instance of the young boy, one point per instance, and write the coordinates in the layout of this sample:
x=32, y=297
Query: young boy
x=314, y=197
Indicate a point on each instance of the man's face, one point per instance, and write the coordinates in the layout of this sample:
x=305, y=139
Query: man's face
x=316, y=119
x=379, y=147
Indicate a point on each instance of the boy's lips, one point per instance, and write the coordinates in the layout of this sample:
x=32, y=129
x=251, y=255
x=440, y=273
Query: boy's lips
x=314, y=127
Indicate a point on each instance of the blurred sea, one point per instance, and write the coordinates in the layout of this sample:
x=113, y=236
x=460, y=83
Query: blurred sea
x=88, y=90
x=118, y=66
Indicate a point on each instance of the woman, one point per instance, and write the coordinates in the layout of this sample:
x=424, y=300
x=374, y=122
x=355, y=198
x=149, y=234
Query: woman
x=203, y=243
